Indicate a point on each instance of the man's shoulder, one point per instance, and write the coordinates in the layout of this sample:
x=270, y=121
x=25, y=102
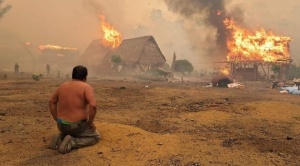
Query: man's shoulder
x=65, y=83
x=76, y=83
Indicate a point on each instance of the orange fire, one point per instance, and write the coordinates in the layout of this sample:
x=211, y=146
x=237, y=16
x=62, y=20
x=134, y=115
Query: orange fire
x=54, y=47
x=224, y=71
x=260, y=45
x=112, y=37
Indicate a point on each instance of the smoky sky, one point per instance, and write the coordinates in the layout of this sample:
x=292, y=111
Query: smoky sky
x=191, y=28
x=211, y=13
x=92, y=6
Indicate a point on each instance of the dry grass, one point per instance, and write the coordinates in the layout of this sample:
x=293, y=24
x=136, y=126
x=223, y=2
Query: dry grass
x=158, y=124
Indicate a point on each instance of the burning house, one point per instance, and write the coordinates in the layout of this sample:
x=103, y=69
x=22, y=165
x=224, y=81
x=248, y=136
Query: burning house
x=250, y=52
x=94, y=55
x=139, y=54
x=136, y=54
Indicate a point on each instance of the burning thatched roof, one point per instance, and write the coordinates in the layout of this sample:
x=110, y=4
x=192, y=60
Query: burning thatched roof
x=134, y=52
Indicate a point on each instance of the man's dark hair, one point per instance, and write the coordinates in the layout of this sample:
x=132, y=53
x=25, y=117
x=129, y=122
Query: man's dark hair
x=79, y=72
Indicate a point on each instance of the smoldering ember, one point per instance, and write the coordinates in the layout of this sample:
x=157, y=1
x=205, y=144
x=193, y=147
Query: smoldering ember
x=193, y=82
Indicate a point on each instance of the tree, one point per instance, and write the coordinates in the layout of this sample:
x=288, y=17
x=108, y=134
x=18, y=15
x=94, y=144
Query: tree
x=116, y=59
x=166, y=67
x=183, y=66
x=4, y=9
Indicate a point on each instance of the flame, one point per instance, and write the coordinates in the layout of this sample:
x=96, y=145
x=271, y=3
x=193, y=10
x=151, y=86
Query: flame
x=111, y=36
x=224, y=71
x=260, y=45
x=54, y=47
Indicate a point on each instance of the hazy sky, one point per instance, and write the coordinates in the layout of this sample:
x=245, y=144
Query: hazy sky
x=75, y=23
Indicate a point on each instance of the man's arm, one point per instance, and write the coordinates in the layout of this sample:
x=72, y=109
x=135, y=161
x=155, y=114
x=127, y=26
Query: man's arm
x=92, y=113
x=53, y=105
x=90, y=98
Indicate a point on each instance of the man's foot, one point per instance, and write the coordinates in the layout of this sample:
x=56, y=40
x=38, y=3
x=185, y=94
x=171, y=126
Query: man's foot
x=65, y=146
x=55, y=142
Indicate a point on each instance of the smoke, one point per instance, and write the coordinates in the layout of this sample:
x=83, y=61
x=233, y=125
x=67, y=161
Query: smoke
x=92, y=6
x=4, y=9
x=207, y=15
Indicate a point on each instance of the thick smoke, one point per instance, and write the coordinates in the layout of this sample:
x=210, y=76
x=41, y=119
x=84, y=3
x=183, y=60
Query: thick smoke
x=207, y=13
x=4, y=9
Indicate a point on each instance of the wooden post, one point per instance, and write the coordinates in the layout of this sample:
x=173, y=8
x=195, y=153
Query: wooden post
x=268, y=76
x=255, y=71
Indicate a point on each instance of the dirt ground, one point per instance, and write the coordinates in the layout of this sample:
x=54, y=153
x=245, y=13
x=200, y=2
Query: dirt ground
x=156, y=123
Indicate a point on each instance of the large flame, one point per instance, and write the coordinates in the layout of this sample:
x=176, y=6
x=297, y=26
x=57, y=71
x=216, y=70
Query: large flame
x=54, y=47
x=260, y=45
x=112, y=37
x=56, y=50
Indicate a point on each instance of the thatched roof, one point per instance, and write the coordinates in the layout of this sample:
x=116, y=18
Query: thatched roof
x=95, y=53
x=134, y=52
x=96, y=48
x=133, y=49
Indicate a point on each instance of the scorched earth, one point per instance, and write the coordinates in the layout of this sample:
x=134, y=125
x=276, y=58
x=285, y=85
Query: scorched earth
x=156, y=123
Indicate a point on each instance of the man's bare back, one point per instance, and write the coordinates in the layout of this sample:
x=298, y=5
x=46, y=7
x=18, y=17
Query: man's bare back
x=73, y=107
x=74, y=98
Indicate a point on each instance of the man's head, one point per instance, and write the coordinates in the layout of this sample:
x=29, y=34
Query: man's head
x=79, y=73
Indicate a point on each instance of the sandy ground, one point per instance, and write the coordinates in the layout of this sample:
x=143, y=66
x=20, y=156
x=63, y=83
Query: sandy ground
x=156, y=123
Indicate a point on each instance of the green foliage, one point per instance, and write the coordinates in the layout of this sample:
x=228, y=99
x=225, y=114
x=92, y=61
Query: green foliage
x=166, y=67
x=116, y=59
x=294, y=72
x=35, y=77
x=183, y=66
x=158, y=72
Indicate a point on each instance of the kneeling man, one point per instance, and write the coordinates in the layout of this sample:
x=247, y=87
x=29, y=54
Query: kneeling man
x=73, y=107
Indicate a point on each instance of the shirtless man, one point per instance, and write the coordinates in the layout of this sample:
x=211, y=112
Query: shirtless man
x=73, y=107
